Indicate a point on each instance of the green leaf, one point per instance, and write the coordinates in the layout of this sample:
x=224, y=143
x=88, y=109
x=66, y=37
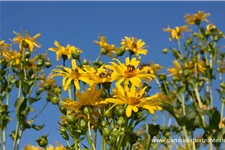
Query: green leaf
x=37, y=127
x=169, y=108
x=18, y=103
x=153, y=130
x=214, y=119
x=26, y=87
x=33, y=100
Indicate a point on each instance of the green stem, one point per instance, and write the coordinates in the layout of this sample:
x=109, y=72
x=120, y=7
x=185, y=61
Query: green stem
x=89, y=132
x=98, y=57
x=17, y=122
x=19, y=139
x=1, y=135
x=70, y=94
x=75, y=143
x=67, y=142
x=74, y=91
x=186, y=136
x=17, y=127
x=150, y=142
x=222, y=110
x=40, y=111
x=4, y=139
x=95, y=137
x=181, y=52
x=103, y=143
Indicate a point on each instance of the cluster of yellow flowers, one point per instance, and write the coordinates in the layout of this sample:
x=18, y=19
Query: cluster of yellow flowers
x=130, y=75
x=31, y=147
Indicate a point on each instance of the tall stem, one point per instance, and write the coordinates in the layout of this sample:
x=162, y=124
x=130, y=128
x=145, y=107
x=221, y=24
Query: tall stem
x=19, y=139
x=89, y=131
x=98, y=57
x=17, y=122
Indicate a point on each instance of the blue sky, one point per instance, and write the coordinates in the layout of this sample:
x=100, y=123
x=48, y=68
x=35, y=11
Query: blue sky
x=79, y=23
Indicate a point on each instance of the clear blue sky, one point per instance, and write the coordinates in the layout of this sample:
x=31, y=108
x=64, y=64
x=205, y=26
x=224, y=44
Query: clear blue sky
x=79, y=23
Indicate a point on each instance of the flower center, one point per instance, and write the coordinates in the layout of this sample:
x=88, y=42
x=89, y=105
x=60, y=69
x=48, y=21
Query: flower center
x=105, y=74
x=134, y=45
x=130, y=72
x=134, y=100
x=75, y=74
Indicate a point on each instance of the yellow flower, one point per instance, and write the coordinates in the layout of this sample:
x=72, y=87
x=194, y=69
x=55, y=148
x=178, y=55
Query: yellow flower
x=134, y=45
x=99, y=76
x=4, y=46
x=130, y=72
x=110, y=49
x=70, y=74
x=31, y=147
x=27, y=41
x=199, y=66
x=134, y=99
x=65, y=52
x=89, y=98
x=49, y=81
x=210, y=28
x=196, y=18
x=176, y=32
x=189, y=65
x=58, y=147
x=12, y=56
x=174, y=70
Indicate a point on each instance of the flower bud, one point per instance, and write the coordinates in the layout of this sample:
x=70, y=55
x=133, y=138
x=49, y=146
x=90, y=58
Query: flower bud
x=85, y=61
x=104, y=123
x=55, y=100
x=103, y=51
x=70, y=119
x=106, y=132
x=87, y=110
x=162, y=77
x=165, y=50
x=48, y=64
x=108, y=114
x=42, y=141
x=121, y=121
x=76, y=55
x=120, y=52
x=27, y=54
x=83, y=123
x=40, y=62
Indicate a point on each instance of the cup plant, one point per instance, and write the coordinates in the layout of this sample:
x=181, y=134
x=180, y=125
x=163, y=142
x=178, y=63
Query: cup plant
x=109, y=99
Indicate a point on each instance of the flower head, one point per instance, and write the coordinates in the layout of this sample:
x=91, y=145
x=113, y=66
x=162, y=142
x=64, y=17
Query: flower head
x=70, y=74
x=27, y=41
x=174, y=70
x=135, y=45
x=65, y=52
x=176, y=32
x=129, y=72
x=89, y=98
x=11, y=56
x=101, y=75
x=109, y=49
x=134, y=99
x=196, y=18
